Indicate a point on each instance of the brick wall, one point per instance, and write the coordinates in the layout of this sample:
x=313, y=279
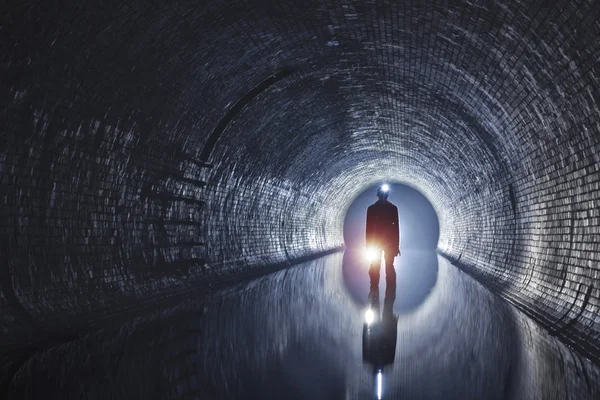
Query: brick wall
x=146, y=148
x=535, y=240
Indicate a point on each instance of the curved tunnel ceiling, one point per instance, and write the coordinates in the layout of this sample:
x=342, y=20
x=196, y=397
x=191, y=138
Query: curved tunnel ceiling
x=148, y=147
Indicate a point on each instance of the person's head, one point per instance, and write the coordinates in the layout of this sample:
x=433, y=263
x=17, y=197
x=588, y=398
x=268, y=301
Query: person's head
x=383, y=192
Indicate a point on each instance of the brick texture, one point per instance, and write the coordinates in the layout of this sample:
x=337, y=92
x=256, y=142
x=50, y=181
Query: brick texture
x=127, y=173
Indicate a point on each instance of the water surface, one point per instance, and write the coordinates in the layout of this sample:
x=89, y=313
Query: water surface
x=316, y=331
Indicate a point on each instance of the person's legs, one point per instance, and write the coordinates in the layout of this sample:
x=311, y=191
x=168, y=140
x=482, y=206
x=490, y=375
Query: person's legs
x=390, y=271
x=374, y=270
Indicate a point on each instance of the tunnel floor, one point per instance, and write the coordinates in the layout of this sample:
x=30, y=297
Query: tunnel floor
x=307, y=333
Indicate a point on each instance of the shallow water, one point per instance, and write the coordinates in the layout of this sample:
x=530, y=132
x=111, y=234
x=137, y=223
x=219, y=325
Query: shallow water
x=315, y=331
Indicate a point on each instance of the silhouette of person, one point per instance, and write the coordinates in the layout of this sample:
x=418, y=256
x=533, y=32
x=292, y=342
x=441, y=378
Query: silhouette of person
x=380, y=334
x=383, y=234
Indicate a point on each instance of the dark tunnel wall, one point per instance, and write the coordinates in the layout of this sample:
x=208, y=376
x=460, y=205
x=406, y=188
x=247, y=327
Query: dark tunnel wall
x=147, y=147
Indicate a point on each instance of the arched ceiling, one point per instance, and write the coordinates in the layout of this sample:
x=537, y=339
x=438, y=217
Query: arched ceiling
x=143, y=138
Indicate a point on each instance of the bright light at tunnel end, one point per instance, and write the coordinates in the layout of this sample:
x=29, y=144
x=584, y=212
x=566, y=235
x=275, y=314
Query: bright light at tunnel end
x=385, y=187
x=370, y=254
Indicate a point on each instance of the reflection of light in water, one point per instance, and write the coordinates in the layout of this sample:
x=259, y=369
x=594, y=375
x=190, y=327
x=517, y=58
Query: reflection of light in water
x=379, y=384
x=369, y=316
x=371, y=254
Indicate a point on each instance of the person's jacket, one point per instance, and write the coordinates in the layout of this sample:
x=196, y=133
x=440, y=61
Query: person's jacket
x=383, y=229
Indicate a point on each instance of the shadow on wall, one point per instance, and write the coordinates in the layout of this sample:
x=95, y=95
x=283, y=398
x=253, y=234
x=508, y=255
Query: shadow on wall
x=416, y=268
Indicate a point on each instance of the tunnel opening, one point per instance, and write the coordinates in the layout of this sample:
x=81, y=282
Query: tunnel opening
x=146, y=150
x=417, y=266
x=419, y=223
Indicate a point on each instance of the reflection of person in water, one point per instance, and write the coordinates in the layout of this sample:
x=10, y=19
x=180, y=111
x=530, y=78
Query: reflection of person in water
x=379, y=334
x=383, y=234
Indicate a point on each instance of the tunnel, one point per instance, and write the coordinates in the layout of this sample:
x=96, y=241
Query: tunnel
x=150, y=150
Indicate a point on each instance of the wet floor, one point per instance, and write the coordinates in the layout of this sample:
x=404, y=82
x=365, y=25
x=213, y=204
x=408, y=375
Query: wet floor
x=316, y=331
